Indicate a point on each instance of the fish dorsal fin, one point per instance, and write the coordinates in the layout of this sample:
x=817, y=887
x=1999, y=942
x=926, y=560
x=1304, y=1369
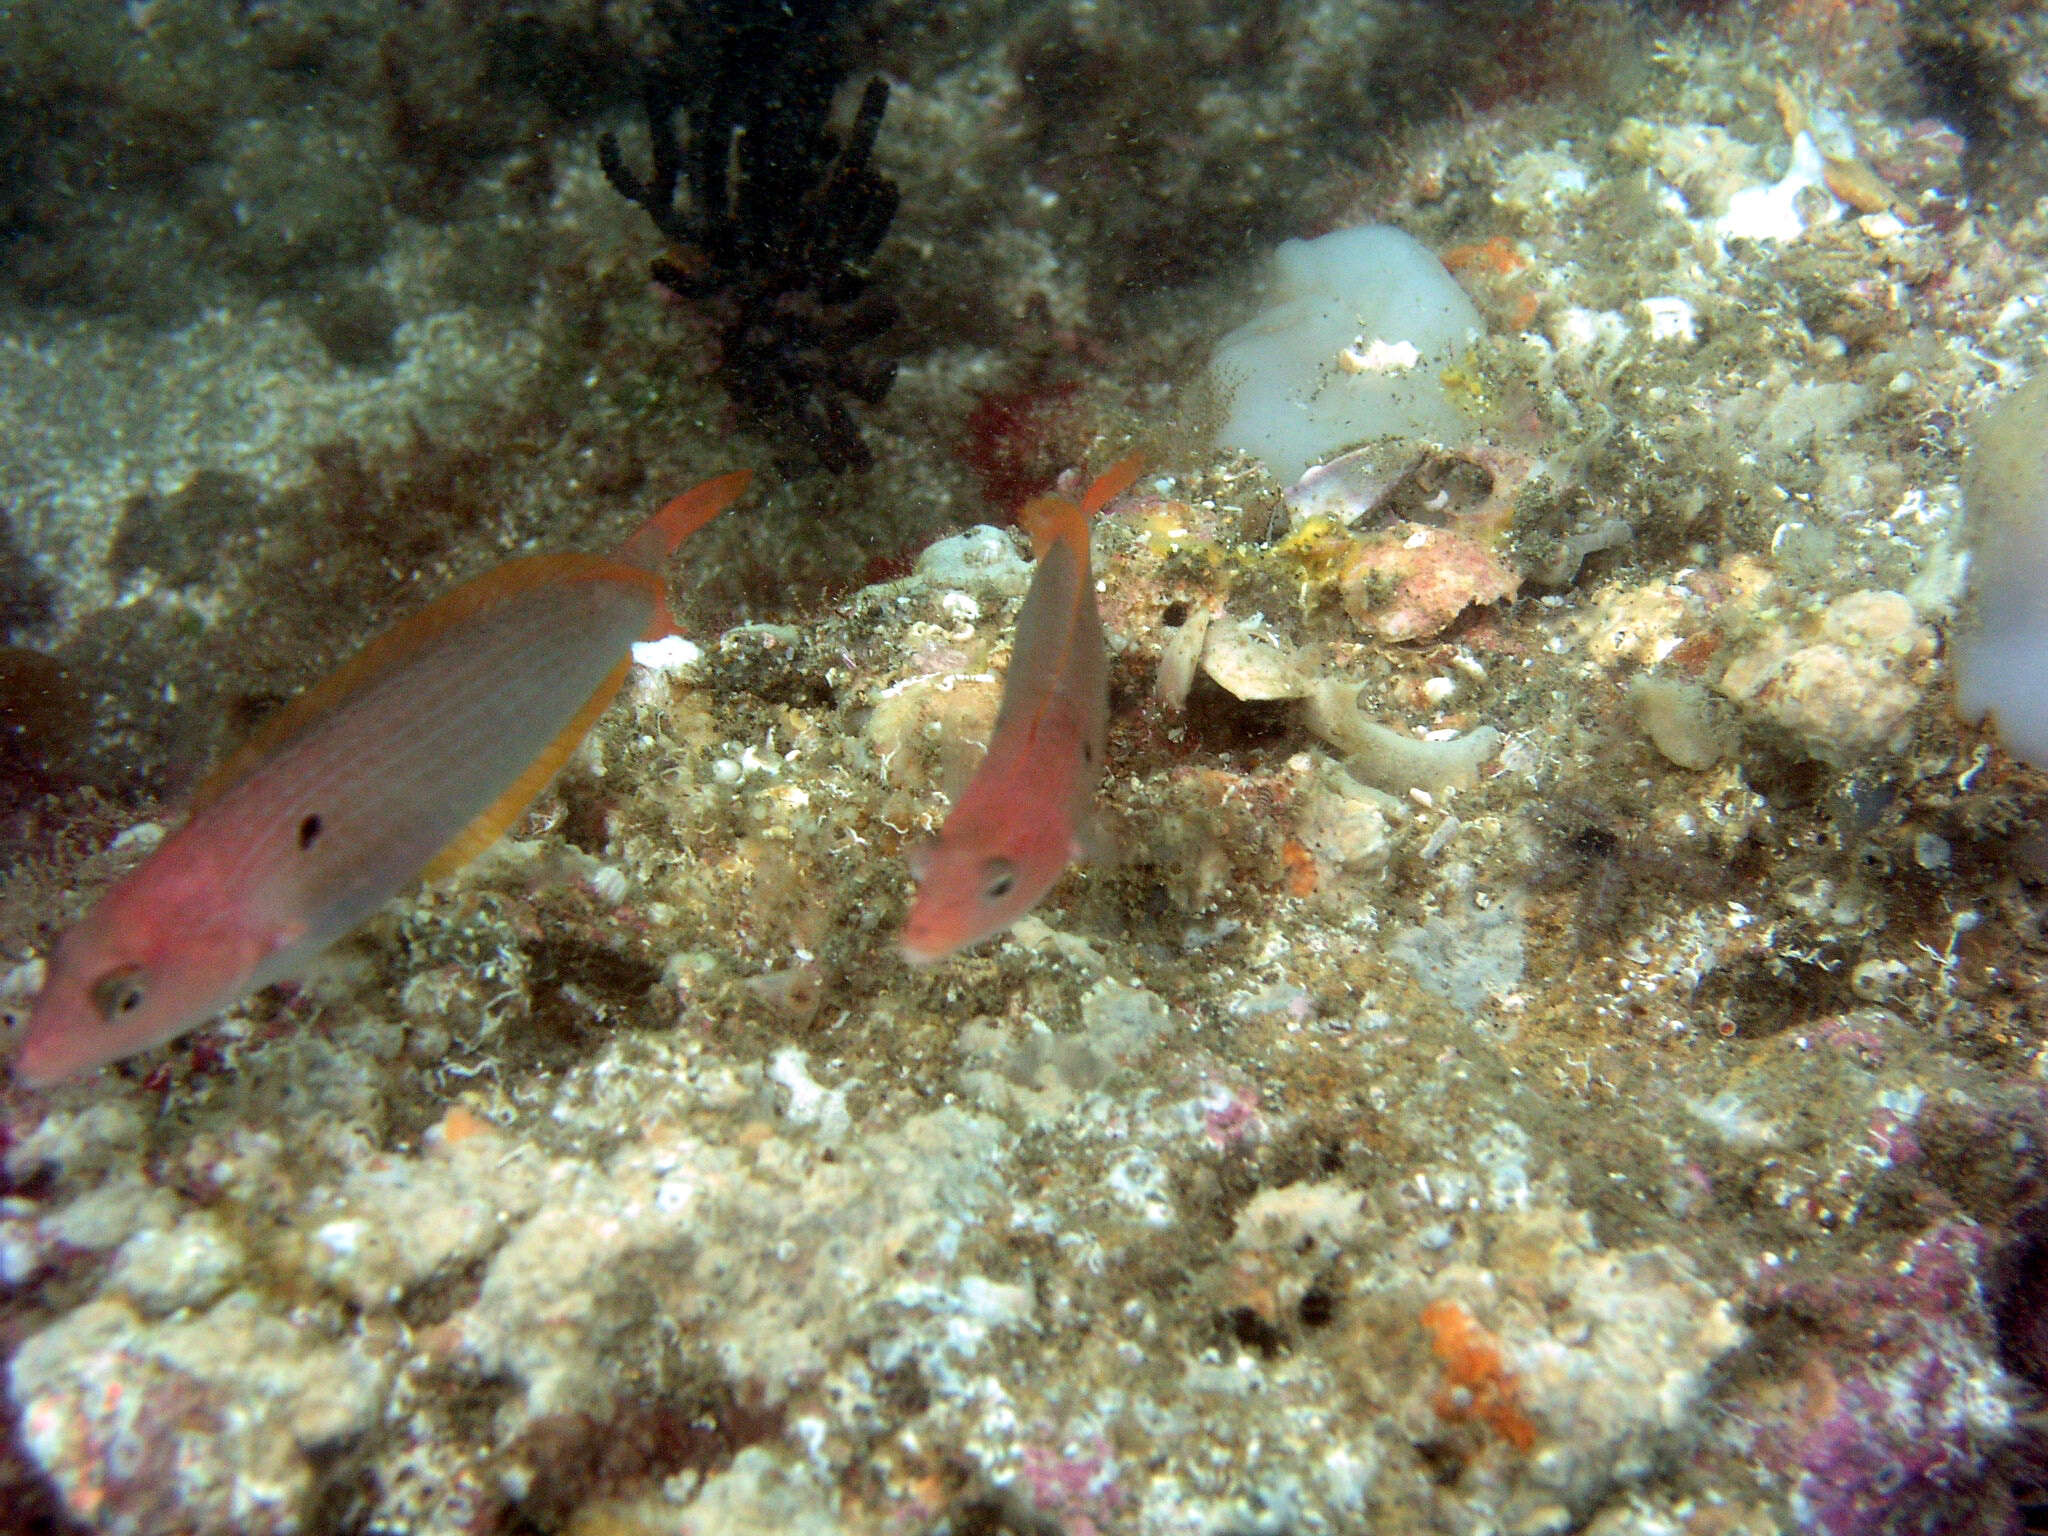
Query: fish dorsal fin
x=404, y=640
x=652, y=542
x=1050, y=518
x=493, y=821
x=656, y=539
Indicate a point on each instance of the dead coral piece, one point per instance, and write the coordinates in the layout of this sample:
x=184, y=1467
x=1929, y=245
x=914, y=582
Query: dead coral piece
x=1851, y=689
x=1343, y=828
x=929, y=731
x=1560, y=564
x=1410, y=582
x=1683, y=721
x=208, y=1422
x=781, y=219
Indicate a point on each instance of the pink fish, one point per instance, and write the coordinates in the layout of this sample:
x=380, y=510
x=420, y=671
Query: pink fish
x=1026, y=813
x=403, y=764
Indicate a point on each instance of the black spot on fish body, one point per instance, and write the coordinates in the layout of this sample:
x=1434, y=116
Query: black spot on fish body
x=309, y=831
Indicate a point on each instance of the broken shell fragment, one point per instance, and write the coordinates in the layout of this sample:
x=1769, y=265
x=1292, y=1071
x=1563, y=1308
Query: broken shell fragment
x=1346, y=487
x=1251, y=663
x=1179, y=654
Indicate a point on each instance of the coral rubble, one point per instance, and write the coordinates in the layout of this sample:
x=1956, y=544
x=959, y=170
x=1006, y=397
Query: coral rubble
x=1556, y=1039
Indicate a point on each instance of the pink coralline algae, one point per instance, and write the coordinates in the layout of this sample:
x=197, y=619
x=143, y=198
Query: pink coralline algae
x=1892, y=1139
x=1076, y=1486
x=1897, y=1413
x=1231, y=1115
x=1408, y=582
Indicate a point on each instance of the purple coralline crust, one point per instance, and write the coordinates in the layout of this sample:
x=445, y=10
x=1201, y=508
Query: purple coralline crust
x=1903, y=1398
x=1078, y=1487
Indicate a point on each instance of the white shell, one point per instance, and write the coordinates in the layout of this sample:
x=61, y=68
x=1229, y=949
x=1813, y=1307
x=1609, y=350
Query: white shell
x=1179, y=654
x=1250, y=663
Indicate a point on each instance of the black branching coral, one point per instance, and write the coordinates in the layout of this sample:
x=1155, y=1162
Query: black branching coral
x=777, y=218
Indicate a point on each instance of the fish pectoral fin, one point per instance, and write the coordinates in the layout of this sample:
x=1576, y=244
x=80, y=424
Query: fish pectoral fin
x=282, y=937
x=253, y=948
x=1093, y=842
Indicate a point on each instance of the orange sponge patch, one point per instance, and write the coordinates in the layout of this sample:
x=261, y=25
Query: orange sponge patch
x=1477, y=1386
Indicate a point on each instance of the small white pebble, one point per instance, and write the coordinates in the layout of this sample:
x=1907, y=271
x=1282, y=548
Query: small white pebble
x=1671, y=319
x=1930, y=851
x=341, y=1238
x=1445, y=831
x=671, y=653
x=1378, y=356
x=141, y=837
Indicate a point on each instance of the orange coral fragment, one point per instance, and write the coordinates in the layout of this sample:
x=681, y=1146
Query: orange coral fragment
x=460, y=1123
x=1479, y=1387
x=1495, y=254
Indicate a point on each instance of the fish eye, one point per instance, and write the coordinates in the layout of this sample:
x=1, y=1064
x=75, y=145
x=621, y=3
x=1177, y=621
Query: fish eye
x=118, y=993
x=999, y=878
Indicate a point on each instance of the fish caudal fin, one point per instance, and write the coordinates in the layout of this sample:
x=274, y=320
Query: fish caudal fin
x=658, y=537
x=1112, y=483
x=1049, y=519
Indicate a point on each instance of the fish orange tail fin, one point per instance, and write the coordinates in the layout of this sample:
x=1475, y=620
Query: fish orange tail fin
x=658, y=537
x=1050, y=518
x=1112, y=483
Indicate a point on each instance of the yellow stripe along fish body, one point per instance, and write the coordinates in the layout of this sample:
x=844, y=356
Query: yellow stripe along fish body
x=402, y=764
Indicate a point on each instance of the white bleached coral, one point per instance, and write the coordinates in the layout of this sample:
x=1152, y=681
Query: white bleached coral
x=770, y=1252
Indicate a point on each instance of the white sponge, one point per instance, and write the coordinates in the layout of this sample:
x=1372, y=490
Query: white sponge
x=2001, y=649
x=1362, y=324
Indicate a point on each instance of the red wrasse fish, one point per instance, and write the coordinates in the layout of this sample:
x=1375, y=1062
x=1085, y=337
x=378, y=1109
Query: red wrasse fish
x=401, y=765
x=1026, y=813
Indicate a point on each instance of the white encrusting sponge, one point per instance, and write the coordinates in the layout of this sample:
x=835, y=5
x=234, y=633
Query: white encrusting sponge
x=1361, y=326
x=2001, y=647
